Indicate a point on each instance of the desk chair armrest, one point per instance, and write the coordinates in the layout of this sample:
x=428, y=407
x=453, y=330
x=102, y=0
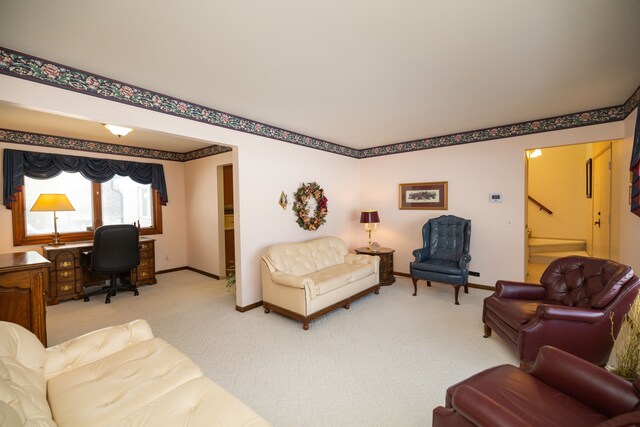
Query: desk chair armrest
x=94, y=346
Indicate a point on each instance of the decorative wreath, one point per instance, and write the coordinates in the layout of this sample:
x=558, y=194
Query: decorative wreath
x=302, y=196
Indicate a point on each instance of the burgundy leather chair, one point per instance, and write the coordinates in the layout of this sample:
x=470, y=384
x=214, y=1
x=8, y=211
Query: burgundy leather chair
x=559, y=390
x=572, y=310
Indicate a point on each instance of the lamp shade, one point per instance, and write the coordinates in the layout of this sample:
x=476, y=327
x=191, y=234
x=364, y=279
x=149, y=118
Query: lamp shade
x=52, y=202
x=368, y=217
x=118, y=130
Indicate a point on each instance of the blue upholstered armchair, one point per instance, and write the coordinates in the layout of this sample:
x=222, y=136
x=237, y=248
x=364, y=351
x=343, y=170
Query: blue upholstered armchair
x=445, y=256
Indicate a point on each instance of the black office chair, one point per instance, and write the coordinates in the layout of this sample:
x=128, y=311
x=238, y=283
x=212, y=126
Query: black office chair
x=116, y=250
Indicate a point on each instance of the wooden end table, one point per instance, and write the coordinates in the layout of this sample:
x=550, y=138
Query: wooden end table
x=386, y=263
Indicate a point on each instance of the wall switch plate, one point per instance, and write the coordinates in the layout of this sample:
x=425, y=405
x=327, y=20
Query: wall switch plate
x=495, y=197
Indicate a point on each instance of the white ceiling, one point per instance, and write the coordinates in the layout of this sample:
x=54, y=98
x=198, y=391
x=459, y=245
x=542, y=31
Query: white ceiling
x=360, y=73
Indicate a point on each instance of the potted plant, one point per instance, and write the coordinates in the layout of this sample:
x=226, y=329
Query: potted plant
x=627, y=346
x=231, y=276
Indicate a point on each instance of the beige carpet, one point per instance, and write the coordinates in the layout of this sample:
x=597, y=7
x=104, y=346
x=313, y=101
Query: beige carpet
x=386, y=361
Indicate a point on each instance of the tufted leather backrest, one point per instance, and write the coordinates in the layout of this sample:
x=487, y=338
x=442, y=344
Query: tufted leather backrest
x=448, y=237
x=22, y=382
x=306, y=257
x=585, y=282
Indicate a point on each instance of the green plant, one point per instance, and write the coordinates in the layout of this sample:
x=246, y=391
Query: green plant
x=627, y=345
x=231, y=276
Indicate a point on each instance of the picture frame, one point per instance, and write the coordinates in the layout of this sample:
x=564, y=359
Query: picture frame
x=424, y=195
x=589, y=176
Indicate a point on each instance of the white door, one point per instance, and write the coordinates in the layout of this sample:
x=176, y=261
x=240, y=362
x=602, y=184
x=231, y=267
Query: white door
x=601, y=213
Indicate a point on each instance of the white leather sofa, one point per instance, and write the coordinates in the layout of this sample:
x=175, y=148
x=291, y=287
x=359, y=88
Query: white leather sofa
x=308, y=279
x=117, y=376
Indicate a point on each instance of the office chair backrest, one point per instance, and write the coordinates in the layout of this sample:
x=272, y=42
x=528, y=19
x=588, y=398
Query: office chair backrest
x=115, y=248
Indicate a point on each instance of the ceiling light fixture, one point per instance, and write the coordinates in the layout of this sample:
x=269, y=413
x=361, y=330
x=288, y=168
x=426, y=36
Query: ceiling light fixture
x=118, y=131
x=532, y=154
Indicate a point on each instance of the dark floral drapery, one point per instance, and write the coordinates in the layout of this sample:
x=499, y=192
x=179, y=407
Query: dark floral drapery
x=18, y=164
x=635, y=169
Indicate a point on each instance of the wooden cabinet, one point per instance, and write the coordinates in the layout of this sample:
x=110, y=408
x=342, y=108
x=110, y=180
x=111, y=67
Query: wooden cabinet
x=386, y=263
x=23, y=278
x=67, y=277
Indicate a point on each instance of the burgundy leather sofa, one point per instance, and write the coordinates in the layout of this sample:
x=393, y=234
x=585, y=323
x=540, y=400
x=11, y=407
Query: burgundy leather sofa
x=572, y=310
x=559, y=390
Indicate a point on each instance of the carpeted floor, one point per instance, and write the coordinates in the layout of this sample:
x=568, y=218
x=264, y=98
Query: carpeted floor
x=386, y=361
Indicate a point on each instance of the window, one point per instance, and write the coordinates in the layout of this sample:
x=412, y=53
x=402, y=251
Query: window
x=118, y=201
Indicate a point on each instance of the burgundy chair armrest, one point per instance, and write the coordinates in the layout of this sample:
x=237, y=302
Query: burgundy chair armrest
x=481, y=410
x=519, y=290
x=594, y=386
x=571, y=314
x=630, y=419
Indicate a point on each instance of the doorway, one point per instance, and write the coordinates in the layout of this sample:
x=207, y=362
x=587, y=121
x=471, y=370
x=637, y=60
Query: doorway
x=229, y=228
x=568, y=204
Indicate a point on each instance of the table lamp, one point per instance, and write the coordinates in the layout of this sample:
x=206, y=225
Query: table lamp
x=53, y=202
x=370, y=219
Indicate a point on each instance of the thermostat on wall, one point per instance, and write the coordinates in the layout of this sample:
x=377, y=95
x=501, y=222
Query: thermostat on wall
x=495, y=197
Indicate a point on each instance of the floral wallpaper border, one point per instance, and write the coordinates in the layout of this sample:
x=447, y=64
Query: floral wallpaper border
x=20, y=65
x=29, y=138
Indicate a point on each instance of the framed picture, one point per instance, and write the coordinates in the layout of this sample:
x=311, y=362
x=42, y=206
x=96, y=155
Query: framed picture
x=589, y=178
x=424, y=195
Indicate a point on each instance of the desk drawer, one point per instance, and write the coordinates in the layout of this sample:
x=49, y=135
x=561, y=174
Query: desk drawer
x=16, y=279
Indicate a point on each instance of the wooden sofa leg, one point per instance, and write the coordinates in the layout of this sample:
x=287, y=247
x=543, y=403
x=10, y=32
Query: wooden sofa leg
x=266, y=308
x=415, y=286
x=305, y=326
x=466, y=289
x=428, y=283
x=457, y=291
x=487, y=331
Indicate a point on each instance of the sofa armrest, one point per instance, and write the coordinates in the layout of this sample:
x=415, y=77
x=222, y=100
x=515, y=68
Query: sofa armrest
x=364, y=259
x=519, y=290
x=93, y=346
x=290, y=280
x=481, y=410
x=421, y=255
x=464, y=261
x=590, y=384
x=571, y=314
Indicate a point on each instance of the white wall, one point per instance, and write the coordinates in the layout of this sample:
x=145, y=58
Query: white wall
x=171, y=245
x=557, y=180
x=473, y=171
x=266, y=167
x=203, y=233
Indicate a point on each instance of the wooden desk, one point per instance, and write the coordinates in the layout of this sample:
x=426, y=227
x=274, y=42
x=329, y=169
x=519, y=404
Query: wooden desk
x=67, y=277
x=23, y=278
x=386, y=263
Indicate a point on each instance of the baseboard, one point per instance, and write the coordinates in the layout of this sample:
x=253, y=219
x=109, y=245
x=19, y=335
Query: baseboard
x=171, y=270
x=204, y=273
x=248, y=307
x=471, y=285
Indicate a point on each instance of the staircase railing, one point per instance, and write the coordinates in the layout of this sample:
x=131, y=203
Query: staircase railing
x=540, y=205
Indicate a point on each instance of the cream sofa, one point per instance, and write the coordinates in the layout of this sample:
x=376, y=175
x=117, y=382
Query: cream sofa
x=308, y=279
x=117, y=376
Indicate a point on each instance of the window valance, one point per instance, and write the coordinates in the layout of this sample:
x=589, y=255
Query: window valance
x=18, y=163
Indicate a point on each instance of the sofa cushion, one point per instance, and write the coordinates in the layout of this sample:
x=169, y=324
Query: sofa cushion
x=328, y=279
x=198, y=402
x=104, y=391
x=291, y=258
x=327, y=251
